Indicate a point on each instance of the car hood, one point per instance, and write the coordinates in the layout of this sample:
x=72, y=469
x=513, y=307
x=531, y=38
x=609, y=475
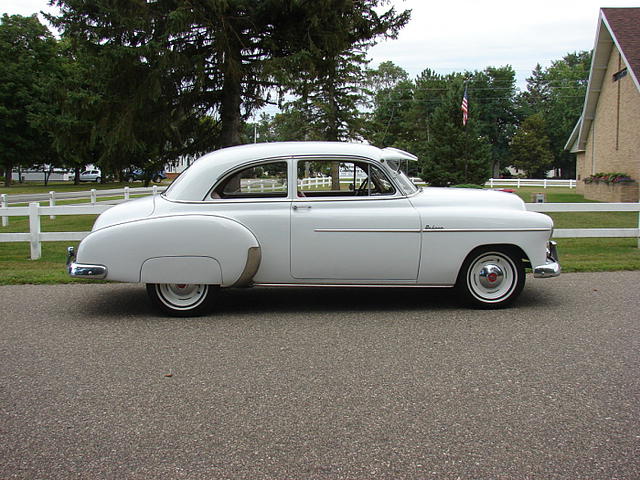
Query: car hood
x=471, y=197
x=126, y=212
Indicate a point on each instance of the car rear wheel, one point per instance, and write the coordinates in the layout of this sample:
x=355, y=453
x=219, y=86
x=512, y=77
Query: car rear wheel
x=98, y=179
x=182, y=299
x=491, y=277
x=157, y=179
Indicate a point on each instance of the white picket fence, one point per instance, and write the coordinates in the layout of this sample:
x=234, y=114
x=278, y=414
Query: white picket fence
x=517, y=182
x=36, y=236
x=92, y=195
x=530, y=182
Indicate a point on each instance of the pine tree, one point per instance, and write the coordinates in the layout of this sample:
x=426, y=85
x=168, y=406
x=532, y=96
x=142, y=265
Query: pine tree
x=455, y=154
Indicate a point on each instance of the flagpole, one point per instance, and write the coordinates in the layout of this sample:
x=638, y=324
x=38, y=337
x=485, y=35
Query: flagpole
x=465, y=118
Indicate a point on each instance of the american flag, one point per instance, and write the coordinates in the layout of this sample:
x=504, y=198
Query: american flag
x=465, y=107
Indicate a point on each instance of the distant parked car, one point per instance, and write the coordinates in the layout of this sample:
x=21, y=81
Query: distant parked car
x=89, y=176
x=255, y=215
x=139, y=174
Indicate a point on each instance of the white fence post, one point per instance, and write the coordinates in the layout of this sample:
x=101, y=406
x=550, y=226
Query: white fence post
x=34, y=229
x=4, y=204
x=93, y=196
x=52, y=203
x=544, y=183
x=126, y=193
x=155, y=190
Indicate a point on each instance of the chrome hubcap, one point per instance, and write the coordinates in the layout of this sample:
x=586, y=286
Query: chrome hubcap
x=491, y=276
x=182, y=296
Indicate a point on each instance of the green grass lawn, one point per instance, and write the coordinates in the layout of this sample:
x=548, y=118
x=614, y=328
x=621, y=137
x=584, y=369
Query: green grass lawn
x=576, y=255
x=598, y=254
x=552, y=195
x=17, y=268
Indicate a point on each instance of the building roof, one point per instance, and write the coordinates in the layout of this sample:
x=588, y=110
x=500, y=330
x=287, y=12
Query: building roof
x=619, y=27
x=624, y=23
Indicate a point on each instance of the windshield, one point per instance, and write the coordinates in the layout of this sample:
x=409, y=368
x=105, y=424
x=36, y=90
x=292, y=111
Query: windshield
x=400, y=177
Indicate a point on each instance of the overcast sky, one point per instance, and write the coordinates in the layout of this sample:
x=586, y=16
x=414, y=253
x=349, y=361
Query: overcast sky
x=471, y=35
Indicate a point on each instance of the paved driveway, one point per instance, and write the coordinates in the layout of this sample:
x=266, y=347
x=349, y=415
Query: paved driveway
x=323, y=384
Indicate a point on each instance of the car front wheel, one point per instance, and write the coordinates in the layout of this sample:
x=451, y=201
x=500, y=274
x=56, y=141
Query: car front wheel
x=182, y=299
x=491, y=277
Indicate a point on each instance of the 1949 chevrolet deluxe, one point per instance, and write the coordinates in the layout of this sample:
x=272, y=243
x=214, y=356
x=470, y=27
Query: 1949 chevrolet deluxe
x=315, y=214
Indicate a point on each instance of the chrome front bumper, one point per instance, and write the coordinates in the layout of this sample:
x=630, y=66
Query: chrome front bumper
x=79, y=270
x=552, y=267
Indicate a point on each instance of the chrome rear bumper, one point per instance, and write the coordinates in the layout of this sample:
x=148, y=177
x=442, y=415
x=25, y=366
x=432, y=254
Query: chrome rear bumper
x=79, y=270
x=552, y=267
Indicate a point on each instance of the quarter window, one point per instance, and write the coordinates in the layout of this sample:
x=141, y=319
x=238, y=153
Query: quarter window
x=266, y=180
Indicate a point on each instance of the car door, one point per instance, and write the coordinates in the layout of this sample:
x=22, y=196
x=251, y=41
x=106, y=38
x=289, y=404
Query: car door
x=349, y=223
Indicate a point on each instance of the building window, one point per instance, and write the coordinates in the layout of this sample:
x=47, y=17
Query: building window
x=618, y=75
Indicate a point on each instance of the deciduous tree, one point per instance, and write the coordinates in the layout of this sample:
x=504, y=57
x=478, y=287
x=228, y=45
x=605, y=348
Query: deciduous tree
x=530, y=148
x=27, y=60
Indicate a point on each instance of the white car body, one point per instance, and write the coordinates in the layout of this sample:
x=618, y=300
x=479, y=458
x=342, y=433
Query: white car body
x=388, y=233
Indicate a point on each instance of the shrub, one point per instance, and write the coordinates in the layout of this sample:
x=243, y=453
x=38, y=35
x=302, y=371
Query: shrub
x=467, y=185
x=609, y=178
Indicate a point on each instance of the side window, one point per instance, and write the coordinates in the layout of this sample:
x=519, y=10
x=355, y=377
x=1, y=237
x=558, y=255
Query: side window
x=266, y=180
x=325, y=178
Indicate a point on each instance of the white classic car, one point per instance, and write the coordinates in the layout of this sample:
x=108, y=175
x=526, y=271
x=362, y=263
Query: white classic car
x=315, y=214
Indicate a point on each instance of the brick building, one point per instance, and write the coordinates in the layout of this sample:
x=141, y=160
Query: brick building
x=607, y=136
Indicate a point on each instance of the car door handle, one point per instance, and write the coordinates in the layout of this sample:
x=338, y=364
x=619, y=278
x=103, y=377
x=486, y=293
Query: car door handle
x=306, y=207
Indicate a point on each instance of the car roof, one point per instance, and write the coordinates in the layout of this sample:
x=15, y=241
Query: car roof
x=194, y=183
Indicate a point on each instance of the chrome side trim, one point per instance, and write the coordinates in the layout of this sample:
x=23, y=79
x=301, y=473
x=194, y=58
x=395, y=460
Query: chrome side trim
x=355, y=285
x=430, y=230
x=368, y=230
x=254, y=256
x=480, y=230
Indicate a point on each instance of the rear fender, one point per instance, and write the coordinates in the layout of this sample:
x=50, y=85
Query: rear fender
x=175, y=249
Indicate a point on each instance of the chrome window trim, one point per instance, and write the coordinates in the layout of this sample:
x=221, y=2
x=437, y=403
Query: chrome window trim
x=214, y=201
x=251, y=163
x=348, y=199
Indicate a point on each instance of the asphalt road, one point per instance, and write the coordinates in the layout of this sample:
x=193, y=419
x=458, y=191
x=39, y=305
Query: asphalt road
x=323, y=384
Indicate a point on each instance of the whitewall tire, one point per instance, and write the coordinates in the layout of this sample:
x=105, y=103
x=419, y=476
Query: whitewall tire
x=182, y=299
x=491, y=277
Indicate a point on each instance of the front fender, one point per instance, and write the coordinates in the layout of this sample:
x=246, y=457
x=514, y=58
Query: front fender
x=172, y=249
